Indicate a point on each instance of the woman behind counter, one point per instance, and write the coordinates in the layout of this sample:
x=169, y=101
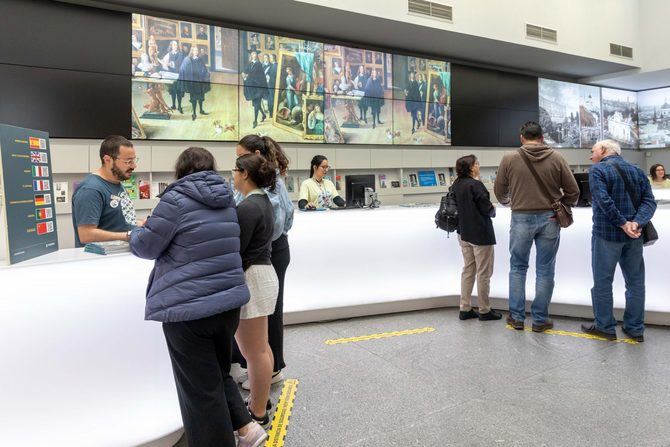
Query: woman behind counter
x=657, y=177
x=317, y=192
x=196, y=289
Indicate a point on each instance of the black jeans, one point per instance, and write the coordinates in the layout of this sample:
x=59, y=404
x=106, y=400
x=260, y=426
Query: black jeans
x=210, y=402
x=281, y=257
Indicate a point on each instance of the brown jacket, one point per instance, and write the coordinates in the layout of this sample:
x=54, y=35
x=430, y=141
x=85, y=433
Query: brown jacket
x=516, y=184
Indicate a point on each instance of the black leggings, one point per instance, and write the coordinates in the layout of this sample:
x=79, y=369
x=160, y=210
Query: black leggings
x=210, y=402
x=281, y=257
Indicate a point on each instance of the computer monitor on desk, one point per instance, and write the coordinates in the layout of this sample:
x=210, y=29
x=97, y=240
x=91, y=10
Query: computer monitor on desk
x=582, y=179
x=355, y=186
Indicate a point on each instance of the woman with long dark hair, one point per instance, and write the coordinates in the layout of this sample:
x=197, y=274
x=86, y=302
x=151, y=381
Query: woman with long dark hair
x=317, y=192
x=657, y=176
x=196, y=290
x=476, y=237
x=282, y=206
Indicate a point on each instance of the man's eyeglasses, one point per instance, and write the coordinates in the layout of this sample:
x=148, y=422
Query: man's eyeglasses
x=128, y=161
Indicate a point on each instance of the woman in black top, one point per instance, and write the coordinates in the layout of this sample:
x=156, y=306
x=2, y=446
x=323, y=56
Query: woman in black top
x=252, y=173
x=476, y=237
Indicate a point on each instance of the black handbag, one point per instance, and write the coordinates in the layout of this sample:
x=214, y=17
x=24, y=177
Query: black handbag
x=649, y=234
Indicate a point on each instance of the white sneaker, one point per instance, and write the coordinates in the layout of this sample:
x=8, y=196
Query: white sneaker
x=255, y=438
x=238, y=373
x=276, y=378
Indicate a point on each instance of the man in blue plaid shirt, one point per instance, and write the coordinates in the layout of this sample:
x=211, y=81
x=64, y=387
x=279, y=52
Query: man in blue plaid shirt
x=616, y=239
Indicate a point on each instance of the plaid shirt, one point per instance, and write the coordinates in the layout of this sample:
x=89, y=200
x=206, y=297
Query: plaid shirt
x=612, y=206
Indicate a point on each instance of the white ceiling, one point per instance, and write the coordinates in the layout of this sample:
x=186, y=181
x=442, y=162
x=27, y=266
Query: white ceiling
x=290, y=17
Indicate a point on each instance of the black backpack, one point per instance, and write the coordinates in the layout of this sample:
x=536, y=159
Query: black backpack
x=446, y=217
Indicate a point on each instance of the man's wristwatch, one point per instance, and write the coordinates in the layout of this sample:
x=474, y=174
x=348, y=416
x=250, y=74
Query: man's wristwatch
x=128, y=235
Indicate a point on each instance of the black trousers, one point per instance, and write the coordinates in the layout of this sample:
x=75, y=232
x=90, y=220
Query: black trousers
x=281, y=257
x=210, y=402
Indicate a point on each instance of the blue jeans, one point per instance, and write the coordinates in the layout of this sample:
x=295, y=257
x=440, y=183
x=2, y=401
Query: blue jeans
x=605, y=255
x=527, y=228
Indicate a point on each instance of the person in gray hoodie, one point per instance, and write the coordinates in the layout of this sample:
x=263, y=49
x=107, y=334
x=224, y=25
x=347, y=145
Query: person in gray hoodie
x=196, y=290
x=533, y=221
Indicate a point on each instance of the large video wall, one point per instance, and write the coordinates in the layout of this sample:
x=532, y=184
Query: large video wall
x=576, y=115
x=193, y=81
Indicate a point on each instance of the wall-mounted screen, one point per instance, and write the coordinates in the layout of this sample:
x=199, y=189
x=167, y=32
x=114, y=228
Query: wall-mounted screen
x=421, y=101
x=358, y=108
x=184, y=80
x=590, y=116
x=620, y=117
x=281, y=87
x=654, y=118
x=559, y=113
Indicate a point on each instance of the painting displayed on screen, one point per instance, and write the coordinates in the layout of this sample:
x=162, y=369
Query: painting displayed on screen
x=184, y=80
x=590, y=116
x=620, y=117
x=358, y=105
x=422, y=101
x=654, y=118
x=281, y=87
x=559, y=113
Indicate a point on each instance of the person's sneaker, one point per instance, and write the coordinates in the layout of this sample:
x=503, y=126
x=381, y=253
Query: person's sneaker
x=591, y=329
x=637, y=338
x=541, y=327
x=490, y=316
x=276, y=378
x=516, y=324
x=254, y=438
x=263, y=421
x=467, y=314
x=238, y=373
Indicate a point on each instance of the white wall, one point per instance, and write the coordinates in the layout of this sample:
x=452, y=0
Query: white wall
x=654, y=37
x=585, y=28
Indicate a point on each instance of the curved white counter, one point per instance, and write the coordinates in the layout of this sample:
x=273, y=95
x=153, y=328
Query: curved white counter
x=81, y=367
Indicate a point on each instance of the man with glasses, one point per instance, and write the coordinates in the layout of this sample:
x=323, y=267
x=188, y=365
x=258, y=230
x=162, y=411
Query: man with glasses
x=101, y=208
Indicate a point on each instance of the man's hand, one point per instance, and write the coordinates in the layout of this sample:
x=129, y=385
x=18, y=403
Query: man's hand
x=632, y=229
x=141, y=222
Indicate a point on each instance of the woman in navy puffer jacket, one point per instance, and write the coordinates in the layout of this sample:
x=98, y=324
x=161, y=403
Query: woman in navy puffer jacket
x=196, y=290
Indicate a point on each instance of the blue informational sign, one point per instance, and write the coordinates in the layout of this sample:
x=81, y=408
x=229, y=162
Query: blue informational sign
x=28, y=193
x=427, y=178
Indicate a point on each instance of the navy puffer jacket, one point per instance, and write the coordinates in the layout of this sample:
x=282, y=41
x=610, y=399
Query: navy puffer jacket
x=194, y=237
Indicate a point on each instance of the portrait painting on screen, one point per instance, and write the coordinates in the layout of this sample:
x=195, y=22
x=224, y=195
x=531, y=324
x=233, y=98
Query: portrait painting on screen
x=559, y=113
x=421, y=101
x=654, y=118
x=620, y=120
x=184, y=80
x=358, y=100
x=281, y=84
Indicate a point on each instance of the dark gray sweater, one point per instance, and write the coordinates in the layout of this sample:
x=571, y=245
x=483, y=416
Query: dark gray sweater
x=256, y=219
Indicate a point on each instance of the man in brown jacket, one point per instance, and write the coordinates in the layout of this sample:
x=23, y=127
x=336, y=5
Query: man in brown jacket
x=533, y=221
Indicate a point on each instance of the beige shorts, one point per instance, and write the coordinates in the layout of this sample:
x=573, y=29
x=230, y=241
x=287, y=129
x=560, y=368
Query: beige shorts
x=264, y=287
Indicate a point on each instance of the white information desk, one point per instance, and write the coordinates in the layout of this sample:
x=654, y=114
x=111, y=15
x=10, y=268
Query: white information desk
x=80, y=366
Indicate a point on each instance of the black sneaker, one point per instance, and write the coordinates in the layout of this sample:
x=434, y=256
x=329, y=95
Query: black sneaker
x=637, y=338
x=591, y=329
x=467, y=314
x=490, y=316
x=268, y=406
x=516, y=324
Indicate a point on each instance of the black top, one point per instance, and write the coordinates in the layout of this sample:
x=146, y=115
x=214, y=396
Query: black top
x=256, y=219
x=474, y=211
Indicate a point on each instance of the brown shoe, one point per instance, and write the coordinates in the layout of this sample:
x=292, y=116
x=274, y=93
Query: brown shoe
x=541, y=327
x=516, y=324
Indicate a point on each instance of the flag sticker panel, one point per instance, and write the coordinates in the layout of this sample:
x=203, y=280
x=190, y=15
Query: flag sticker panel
x=41, y=185
x=44, y=213
x=45, y=227
x=39, y=157
x=40, y=171
x=34, y=143
x=42, y=199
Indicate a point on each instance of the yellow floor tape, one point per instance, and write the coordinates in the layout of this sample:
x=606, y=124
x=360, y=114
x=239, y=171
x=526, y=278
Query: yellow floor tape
x=581, y=335
x=277, y=433
x=338, y=341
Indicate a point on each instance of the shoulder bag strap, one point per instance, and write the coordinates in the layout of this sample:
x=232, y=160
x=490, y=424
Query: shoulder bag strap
x=629, y=188
x=539, y=181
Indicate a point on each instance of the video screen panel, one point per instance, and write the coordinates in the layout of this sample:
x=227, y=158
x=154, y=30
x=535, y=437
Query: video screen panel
x=654, y=118
x=620, y=117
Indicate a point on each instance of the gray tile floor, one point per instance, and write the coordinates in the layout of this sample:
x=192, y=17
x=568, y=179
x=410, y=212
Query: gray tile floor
x=472, y=383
